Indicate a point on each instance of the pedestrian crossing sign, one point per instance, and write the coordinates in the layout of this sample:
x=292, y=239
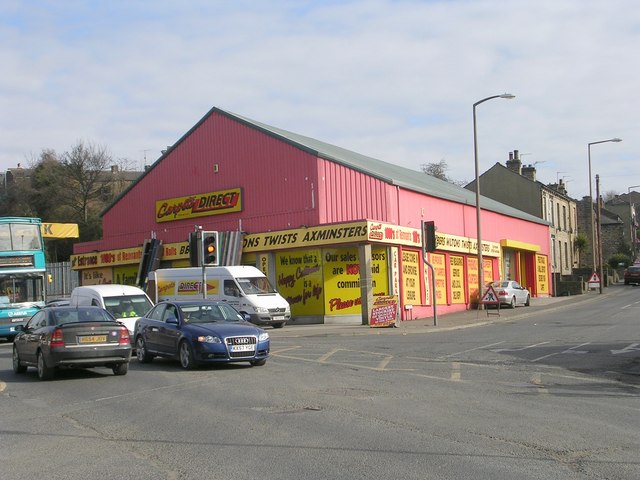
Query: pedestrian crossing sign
x=490, y=296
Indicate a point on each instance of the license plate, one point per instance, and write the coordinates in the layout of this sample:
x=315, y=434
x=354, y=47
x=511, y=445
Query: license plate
x=93, y=339
x=243, y=348
x=278, y=318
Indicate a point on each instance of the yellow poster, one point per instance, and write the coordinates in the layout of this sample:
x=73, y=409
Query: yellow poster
x=487, y=271
x=456, y=275
x=299, y=280
x=542, y=275
x=472, y=278
x=341, y=270
x=410, y=277
x=96, y=276
x=125, y=275
x=440, y=268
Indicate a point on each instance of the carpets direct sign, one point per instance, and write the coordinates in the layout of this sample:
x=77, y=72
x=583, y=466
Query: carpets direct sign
x=201, y=205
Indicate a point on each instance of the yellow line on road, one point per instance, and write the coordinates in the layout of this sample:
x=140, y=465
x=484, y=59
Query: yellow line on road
x=455, y=371
x=328, y=355
x=2, y=386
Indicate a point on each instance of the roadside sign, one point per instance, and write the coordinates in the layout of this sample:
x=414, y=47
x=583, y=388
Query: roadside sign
x=490, y=297
x=594, y=281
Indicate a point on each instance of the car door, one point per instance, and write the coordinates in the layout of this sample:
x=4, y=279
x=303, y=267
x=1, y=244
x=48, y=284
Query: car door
x=34, y=330
x=521, y=294
x=169, y=331
x=149, y=327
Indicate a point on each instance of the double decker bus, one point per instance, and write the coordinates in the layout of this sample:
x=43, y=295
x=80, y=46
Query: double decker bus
x=22, y=272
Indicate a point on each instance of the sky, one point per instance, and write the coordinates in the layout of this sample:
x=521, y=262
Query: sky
x=392, y=79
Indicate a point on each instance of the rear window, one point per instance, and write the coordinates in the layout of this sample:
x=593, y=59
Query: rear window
x=633, y=269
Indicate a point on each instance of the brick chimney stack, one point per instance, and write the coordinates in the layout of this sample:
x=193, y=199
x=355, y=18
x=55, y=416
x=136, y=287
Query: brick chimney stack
x=514, y=164
x=529, y=171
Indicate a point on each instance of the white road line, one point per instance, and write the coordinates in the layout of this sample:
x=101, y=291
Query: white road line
x=499, y=350
x=472, y=349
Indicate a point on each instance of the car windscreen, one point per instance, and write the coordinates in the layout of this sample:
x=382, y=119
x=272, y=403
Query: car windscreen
x=210, y=313
x=63, y=316
x=255, y=285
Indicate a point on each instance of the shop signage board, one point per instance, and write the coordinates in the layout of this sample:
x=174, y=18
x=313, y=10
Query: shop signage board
x=385, y=311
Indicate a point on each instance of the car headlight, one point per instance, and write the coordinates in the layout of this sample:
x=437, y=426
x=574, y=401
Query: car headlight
x=263, y=336
x=262, y=310
x=209, y=339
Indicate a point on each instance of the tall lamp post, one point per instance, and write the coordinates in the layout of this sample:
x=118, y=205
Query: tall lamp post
x=478, y=226
x=593, y=228
x=632, y=223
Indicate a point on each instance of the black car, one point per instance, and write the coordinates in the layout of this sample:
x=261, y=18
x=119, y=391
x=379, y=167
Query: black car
x=199, y=332
x=75, y=337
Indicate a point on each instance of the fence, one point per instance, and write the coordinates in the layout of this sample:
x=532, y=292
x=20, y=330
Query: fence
x=61, y=280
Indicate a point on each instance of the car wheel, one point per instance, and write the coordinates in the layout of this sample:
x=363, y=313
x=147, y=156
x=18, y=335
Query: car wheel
x=278, y=325
x=186, y=355
x=121, y=368
x=513, y=302
x=142, y=354
x=258, y=363
x=44, y=372
x=528, y=302
x=17, y=366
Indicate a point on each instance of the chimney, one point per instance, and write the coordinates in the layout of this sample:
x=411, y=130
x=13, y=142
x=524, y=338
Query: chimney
x=562, y=188
x=514, y=164
x=529, y=171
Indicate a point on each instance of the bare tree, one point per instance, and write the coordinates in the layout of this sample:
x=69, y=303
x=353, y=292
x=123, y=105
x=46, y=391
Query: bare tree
x=84, y=165
x=439, y=170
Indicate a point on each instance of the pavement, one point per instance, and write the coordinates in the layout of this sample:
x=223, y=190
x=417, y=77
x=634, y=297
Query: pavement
x=450, y=321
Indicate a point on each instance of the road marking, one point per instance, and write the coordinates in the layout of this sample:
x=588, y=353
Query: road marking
x=499, y=350
x=275, y=352
x=455, y=372
x=328, y=355
x=472, y=349
x=630, y=348
x=2, y=386
x=568, y=350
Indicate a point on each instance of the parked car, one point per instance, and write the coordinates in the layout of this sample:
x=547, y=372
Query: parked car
x=74, y=337
x=632, y=275
x=199, y=332
x=510, y=292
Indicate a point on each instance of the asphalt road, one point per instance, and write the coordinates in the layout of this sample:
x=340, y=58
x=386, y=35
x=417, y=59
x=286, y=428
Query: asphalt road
x=553, y=394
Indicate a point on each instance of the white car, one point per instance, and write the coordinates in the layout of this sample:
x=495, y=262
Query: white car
x=511, y=293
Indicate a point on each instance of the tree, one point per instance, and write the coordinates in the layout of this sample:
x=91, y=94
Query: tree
x=439, y=170
x=84, y=165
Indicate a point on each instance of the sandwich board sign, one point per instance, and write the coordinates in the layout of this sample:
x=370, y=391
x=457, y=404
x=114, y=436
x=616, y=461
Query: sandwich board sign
x=594, y=281
x=490, y=296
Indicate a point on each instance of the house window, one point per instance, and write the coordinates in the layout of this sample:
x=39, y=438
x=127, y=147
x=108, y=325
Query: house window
x=564, y=218
x=566, y=254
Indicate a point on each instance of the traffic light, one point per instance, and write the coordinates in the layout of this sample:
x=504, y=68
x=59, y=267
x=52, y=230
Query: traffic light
x=429, y=236
x=210, y=249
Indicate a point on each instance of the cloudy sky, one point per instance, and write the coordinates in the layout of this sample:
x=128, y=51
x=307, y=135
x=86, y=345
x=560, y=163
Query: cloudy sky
x=392, y=79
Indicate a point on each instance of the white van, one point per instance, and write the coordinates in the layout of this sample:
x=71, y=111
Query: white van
x=244, y=287
x=125, y=302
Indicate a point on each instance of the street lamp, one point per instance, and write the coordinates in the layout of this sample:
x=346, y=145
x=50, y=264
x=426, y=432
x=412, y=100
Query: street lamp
x=632, y=222
x=593, y=229
x=475, y=156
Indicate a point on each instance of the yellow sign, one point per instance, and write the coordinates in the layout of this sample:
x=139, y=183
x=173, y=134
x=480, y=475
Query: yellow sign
x=410, y=277
x=472, y=278
x=299, y=281
x=306, y=237
x=200, y=205
x=60, y=230
x=456, y=276
x=455, y=243
x=542, y=275
x=440, y=269
x=124, y=256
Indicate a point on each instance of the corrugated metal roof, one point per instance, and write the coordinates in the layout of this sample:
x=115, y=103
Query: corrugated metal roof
x=387, y=172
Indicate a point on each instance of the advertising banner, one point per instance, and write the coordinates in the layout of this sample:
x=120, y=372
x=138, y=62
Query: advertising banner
x=410, y=277
x=456, y=275
x=542, y=275
x=199, y=205
x=299, y=281
x=385, y=311
x=440, y=268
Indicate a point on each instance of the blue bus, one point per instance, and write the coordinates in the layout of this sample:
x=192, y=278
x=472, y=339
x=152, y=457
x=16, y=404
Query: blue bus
x=22, y=272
